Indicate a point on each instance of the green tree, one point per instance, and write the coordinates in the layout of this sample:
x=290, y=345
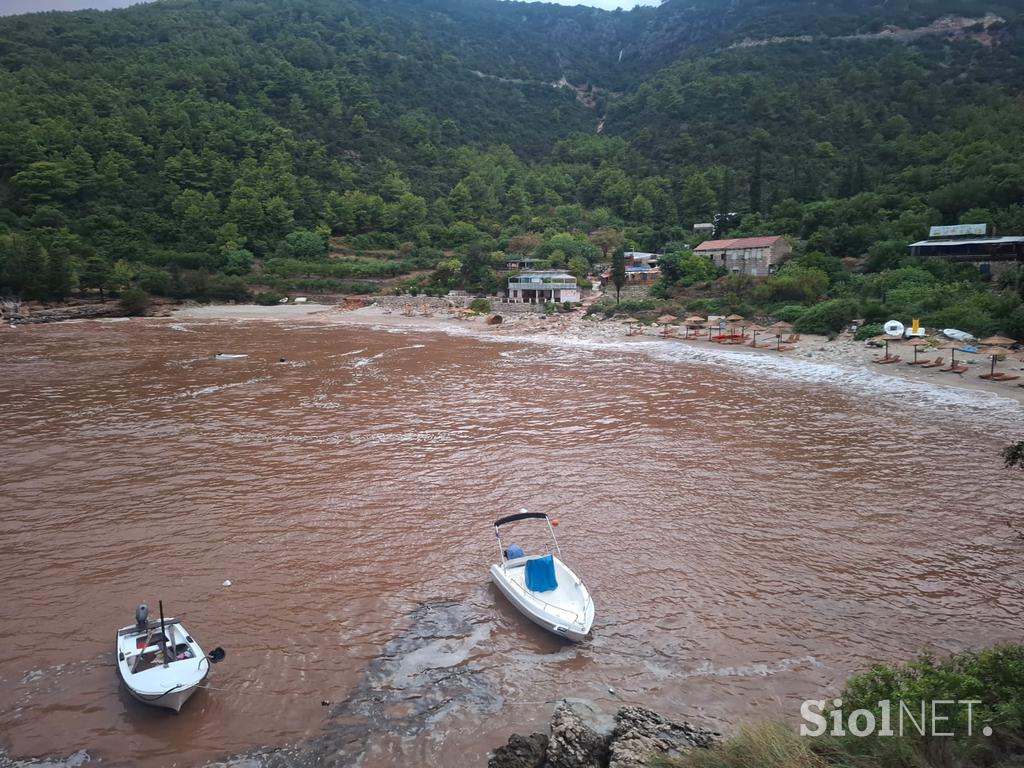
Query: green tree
x=237, y=261
x=608, y=240
x=698, y=198
x=134, y=301
x=618, y=272
x=303, y=244
x=58, y=273
x=757, y=182
x=95, y=274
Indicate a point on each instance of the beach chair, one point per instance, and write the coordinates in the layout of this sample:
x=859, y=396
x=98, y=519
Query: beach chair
x=793, y=339
x=936, y=364
x=1004, y=376
x=960, y=369
x=887, y=360
x=919, y=361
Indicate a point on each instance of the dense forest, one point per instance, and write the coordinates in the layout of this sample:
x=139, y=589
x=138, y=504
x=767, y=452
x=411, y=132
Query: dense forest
x=225, y=148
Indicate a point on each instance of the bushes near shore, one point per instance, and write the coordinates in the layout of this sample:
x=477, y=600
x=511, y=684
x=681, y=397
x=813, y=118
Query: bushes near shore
x=993, y=679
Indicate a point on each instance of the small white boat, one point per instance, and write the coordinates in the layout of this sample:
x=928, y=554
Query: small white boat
x=957, y=335
x=543, y=588
x=159, y=661
x=224, y=356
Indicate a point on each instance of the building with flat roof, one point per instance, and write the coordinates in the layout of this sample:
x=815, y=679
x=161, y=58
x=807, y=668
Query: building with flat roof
x=990, y=254
x=640, y=259
x=758, y=256
x=542, y=287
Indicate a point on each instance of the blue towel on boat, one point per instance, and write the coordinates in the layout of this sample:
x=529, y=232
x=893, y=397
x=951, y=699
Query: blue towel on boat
x=540, y=574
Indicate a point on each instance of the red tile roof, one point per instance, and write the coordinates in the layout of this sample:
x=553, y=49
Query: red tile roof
x=742, y=242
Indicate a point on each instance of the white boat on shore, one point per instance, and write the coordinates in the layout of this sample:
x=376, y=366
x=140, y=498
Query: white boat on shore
x=957, y=335
x=543, y=588
x=159, y=661
x=225, y=356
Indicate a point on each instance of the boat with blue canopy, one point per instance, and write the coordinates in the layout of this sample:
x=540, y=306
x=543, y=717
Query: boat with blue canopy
x=542, y=587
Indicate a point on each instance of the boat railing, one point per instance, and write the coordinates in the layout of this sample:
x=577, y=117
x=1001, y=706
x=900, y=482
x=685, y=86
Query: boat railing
x=550, y=606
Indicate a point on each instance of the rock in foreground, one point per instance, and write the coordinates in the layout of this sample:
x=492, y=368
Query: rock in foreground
x=638, y=736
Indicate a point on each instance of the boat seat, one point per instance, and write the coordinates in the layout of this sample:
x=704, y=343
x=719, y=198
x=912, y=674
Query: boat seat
x=540, y=574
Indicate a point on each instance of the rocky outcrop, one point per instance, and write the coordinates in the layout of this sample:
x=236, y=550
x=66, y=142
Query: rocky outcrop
x=521, y=752
x=640, y=733
x=638, y=736
x=573, y=743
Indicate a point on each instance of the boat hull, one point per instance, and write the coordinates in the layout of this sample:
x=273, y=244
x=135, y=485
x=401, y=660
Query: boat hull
x=165, y=684
x=173, y=701
x=573, y=630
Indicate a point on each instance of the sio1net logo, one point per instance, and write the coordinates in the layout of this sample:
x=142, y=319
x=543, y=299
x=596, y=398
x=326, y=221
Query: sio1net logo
x=936, y=717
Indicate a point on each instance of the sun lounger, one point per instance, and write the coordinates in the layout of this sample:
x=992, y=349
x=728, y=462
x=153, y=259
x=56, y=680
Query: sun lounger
x=936, y=364
x=793, y=339
x=1004, y=377
x=784, y=348
x=887, y=360
x=919, y=361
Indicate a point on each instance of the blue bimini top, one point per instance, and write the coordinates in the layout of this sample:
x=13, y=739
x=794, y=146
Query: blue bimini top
x=540, y=574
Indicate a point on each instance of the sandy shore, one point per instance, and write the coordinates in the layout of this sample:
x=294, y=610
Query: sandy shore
x=843, y=352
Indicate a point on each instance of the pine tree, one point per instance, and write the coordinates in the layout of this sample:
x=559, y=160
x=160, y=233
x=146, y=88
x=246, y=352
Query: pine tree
x=756, y=183
x=618, y=272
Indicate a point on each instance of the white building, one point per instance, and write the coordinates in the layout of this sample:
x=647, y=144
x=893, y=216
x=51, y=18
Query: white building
x=704, y=228
x=542, y=287
x=758, y=256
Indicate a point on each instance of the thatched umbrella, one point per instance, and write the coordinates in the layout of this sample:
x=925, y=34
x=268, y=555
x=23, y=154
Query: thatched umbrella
x=997, y=341
x=780, y=328
x=887, y=338
x=734, y=320
x=693, y=321
x=630, y=322
x=952, y=346
x=666, y=320
x=755, y=329
x=993, y=352
x=917, y=344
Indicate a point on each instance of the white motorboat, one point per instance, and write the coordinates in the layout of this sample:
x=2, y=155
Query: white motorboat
x=159, y=661
x=543, y=588
x=225, y=356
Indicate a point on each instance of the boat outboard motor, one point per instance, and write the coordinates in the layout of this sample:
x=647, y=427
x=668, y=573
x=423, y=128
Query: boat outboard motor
x=142, y=616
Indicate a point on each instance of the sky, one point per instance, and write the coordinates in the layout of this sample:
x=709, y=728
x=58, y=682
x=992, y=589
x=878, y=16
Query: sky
x=10, y=7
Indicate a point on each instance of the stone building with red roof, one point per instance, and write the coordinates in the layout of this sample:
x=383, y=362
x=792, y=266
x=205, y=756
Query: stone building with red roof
x=758, y=256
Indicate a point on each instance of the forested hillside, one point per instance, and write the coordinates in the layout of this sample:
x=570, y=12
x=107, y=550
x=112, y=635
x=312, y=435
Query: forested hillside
x=212, y=147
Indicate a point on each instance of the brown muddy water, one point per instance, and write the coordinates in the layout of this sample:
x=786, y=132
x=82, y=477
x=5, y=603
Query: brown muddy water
x=752, y=532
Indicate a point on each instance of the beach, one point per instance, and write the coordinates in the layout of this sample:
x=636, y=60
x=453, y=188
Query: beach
x=842, y=353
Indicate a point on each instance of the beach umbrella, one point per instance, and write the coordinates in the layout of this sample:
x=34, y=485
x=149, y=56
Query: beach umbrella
x=780, y=328
x=993, y=352
x=952, y=346
x=997, y=341
x=735, y=318
x=755, y=329
x=630, y=322
x=693, y=321
x=666, y=320
x=887, y=338
x=917, y=344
